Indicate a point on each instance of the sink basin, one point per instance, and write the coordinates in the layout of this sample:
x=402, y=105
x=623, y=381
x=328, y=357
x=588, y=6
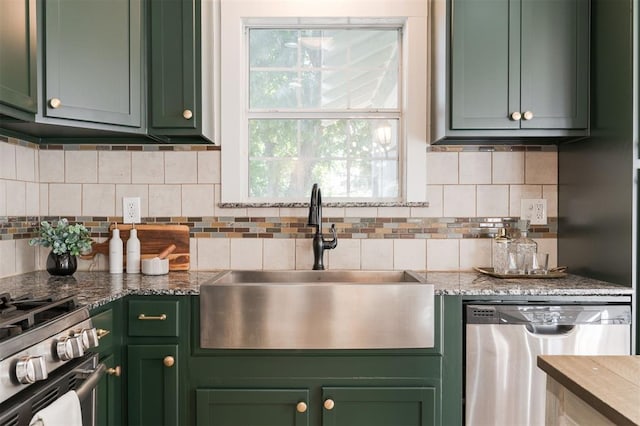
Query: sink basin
x=316, y=310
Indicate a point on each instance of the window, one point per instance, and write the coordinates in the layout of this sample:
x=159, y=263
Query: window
x=321, y=100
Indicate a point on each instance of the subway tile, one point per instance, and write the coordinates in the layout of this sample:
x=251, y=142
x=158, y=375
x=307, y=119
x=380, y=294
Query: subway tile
x=541, y=168
x=360, y=212
x=443, y=254
x=3, y=198
x=209, y=167
x=442, y=168
x=213, y=253
x=333, y=212
x=165, y=200
x=193, y=254
x=475, y=252
x=7, y=161
x=376, y=254
x=81, y=166
x=114, y=167
x=98, y=199
x=263, y=211
x=16, y=198
x=26, y=260
x=147, y=167
x=508, y=167
x=346, y=255
x=492, y=200
x=32, y=199
x=459, y=201
x=126, y=190
x=393, y=212
x=304, y=254
x=181, y=167
x=25, y=164
x=410, y=254
x=279, y=253
x=520, y=192
x=44, y=199
x=291, y=212
x=8, y=256
x=51, y=166
x=550, y=193
x=245, y=253
x=197, y=200
x=475, y=168
x=435, y=197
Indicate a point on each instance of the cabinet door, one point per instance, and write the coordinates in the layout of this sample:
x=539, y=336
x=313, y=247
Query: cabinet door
x=109, y=395
x=555, y=63
x=378, y=406
x=93, y=61
x=18, y=54
x=152, y=386
x=485, y=61
x=255, y=407
x=172, y=70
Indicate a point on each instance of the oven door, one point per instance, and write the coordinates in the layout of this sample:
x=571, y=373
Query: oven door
x=81, y=375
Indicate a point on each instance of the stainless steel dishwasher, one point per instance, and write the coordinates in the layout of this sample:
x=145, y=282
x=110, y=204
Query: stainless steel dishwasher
x=503, y=385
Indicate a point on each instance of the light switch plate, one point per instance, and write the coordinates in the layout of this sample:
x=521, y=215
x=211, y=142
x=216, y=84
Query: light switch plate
x=130, y=209
x=534, y=210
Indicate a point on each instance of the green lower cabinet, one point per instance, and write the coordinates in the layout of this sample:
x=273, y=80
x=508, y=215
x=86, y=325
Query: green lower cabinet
x=255, y=407
x=153, y=394
x=109, y=395
x=378, y=406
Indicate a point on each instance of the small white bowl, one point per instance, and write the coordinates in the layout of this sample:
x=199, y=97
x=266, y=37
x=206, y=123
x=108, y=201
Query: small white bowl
x=155, y=266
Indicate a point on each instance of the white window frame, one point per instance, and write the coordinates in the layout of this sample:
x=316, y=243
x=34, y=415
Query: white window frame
x=236, y=15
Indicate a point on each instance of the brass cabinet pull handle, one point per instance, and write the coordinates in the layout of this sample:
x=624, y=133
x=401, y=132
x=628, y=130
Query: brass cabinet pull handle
x=329, y=404
x=301, y=407
x=116, y=371
x=152, y=318
x=169, y=361
x=102, y=333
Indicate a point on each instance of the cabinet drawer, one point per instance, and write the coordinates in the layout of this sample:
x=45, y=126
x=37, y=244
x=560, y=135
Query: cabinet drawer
x=103, y=322
x=153, y=318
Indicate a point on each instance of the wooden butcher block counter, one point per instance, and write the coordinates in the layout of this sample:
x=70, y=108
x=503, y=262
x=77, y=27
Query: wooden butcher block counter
x=592, y=389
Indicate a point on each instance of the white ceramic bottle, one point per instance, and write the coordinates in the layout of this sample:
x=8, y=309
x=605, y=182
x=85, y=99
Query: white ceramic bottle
x=115, y=252
x=133, y=252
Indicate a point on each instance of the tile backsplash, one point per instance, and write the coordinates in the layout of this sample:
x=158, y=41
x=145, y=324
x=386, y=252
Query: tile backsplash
x=471, y=192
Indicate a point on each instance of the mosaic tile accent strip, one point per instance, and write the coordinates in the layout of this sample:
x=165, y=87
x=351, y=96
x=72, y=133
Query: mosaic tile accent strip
x=492, y=148
x=296, y=227
x=133, y=147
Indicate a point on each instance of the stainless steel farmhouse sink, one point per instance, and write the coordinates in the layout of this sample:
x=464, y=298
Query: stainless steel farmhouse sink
x=316, y=310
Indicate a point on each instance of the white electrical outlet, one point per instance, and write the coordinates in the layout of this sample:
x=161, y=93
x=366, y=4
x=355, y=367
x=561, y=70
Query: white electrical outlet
x=535, y=211
x=130, y=209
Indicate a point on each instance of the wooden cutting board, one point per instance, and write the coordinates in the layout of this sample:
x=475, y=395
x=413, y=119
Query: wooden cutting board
x=153, y=239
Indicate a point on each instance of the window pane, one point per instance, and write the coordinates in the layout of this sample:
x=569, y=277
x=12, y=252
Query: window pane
x=348, y=158
x=324, y=69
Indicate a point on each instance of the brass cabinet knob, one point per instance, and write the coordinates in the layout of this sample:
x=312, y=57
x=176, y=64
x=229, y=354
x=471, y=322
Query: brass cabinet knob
x=528, y=115
x=301, y=407
x=329, y=404
x=516, y=116
x=168, y=361
x=101, y=332
x=187, y=114
x=116, y=371
x=55, y=103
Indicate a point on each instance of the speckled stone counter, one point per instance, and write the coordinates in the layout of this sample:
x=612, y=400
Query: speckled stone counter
x=94, y=289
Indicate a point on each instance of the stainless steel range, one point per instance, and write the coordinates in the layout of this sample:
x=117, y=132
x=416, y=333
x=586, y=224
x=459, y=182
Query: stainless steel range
x=43, y=354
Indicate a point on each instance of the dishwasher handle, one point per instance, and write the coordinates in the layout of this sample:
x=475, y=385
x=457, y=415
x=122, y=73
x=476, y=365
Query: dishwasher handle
x=549, y=329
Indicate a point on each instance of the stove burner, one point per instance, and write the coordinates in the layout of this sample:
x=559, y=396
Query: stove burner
x=26, y=312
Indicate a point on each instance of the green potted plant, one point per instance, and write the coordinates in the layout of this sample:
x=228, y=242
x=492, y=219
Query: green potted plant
x=66, y=242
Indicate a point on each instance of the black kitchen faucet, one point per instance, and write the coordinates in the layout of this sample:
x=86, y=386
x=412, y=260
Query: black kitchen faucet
x=315, y=219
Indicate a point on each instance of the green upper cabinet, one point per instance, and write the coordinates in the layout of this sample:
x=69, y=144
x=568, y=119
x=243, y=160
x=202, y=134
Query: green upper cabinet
x=518, y=68
x=18, y=55
x=178, y=88
x=92, y=61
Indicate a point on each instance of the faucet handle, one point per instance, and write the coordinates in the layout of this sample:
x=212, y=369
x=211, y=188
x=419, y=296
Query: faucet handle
x=331, y=244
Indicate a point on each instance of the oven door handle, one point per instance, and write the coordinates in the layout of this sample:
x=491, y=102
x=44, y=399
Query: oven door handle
x=91, y=382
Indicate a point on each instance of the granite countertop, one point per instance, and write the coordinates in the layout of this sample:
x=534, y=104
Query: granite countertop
x=94, y=289
x=609, y=384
